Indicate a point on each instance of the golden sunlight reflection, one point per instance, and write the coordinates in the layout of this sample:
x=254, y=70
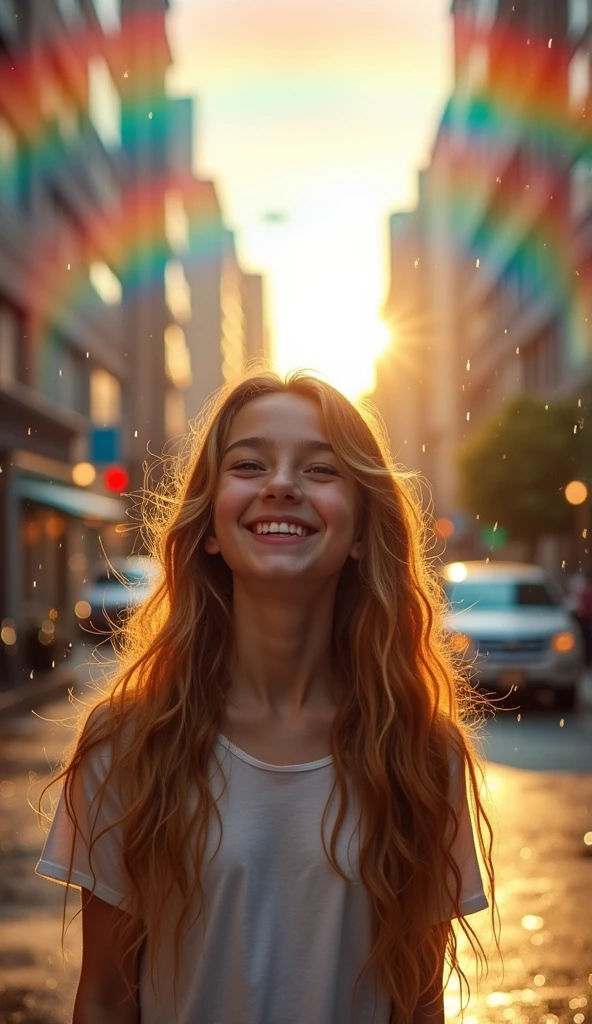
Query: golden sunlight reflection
x=326, y=299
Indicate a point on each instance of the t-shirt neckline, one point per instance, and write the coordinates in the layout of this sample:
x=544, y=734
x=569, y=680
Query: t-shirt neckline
x=242, y=754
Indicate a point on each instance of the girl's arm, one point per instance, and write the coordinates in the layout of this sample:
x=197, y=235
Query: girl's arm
x=102, y=993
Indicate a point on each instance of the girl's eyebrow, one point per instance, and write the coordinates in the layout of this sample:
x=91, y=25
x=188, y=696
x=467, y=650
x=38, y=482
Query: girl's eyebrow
x=310, y=444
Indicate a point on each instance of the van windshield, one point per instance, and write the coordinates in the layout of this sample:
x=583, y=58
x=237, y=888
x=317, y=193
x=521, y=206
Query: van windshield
x=497, y=594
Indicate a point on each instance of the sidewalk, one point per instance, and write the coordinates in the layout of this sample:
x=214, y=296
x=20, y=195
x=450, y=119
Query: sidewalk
x=45, y=687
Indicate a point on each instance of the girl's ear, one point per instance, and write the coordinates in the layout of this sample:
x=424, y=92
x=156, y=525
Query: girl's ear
x=356, y=550
x=211, y=545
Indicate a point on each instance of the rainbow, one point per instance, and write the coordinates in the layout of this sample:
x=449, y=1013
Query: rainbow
x=530, y=202
x=129, y=234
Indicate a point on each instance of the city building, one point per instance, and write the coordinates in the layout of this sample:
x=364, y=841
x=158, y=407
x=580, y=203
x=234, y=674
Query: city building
x=216, y=314
x=505, y=214
x=81, y=213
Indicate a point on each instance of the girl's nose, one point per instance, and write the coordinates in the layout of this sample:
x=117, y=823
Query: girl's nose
x=282, y=484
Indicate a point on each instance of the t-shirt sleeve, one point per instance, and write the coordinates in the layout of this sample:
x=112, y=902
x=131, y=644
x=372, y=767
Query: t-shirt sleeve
x=463, y=852
x=103, y=870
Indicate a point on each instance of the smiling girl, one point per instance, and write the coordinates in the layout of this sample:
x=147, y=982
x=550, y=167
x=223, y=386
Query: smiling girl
x=268, y=813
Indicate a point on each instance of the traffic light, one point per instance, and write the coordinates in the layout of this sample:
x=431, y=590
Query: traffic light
x=116, y=479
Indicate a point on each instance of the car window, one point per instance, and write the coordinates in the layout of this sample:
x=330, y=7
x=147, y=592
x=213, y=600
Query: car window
x=129, y=577
x=498, y=594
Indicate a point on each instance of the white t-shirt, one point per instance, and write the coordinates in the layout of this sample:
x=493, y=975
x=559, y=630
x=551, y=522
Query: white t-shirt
x=286, y=936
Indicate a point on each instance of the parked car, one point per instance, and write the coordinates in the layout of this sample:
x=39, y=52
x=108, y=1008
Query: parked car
x=511, y=621
x=114, y=589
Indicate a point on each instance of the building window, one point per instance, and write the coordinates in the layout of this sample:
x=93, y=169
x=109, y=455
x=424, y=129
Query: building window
x=9, y=340
x=176, y=221
x=177, y=291
x=177, y=357
x=109, y=14
x=175, y=416
x=485, y=12
x=579, y=79
x=10, y=25
x=57, y=106
x=104, y=103
x=105, y=399
x=578, y=17
x=9, y=164
x=581, y=186
x=106, y=284
x=66, y=233
x=71, y=11
x=62, y=375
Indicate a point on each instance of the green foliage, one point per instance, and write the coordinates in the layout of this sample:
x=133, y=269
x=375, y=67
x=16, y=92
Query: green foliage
x=515, y=467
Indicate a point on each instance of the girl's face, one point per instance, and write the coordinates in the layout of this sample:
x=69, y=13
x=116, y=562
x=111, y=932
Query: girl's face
x=284, y=507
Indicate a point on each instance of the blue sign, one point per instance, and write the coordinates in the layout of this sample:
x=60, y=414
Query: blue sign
x=104, y=445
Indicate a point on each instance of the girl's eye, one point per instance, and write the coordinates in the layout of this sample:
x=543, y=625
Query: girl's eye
x=325, y=469
x=247, y=464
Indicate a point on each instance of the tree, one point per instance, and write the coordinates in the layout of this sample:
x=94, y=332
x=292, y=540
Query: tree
x=514, y=469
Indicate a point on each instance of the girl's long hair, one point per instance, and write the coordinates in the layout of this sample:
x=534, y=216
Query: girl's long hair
x=408, y=701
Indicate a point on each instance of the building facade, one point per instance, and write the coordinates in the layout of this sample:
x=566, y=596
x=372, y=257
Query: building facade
x=81, y=195
x=505, y=230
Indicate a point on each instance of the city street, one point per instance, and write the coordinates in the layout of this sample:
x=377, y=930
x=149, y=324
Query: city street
x=540, y=780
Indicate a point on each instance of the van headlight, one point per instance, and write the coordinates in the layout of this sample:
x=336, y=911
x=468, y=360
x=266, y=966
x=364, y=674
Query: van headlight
x=563, y=642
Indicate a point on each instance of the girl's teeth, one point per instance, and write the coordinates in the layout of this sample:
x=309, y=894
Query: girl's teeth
x=292, y=528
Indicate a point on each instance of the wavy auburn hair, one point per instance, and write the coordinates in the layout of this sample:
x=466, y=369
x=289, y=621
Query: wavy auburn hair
x=407, y=702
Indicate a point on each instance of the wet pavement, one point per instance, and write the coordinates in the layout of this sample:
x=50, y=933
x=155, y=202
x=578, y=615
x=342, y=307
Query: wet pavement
x=542, y=816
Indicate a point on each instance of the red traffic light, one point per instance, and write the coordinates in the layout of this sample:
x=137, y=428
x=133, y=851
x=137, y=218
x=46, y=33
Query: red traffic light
x=116, y=479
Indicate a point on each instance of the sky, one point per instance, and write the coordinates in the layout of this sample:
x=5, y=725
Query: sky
x=313, y=120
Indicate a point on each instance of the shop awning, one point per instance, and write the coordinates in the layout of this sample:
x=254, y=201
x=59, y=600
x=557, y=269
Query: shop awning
x=72, y=500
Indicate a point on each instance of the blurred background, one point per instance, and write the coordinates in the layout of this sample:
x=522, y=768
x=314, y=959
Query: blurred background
x=396, y=195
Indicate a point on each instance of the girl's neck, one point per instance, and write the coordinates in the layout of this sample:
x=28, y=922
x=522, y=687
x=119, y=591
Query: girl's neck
x=281, y=662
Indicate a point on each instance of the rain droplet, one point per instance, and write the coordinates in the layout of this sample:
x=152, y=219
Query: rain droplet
x=550, y=43
x=32, y=674
x=29, y=431
x=478, y=264
x=68, y=266
x=468, y=364
x=518, y=350
x=518, y=718
x=416, y=263
x=150, y=115
x=135, y=433
x=561, y=723
x=468, y=416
